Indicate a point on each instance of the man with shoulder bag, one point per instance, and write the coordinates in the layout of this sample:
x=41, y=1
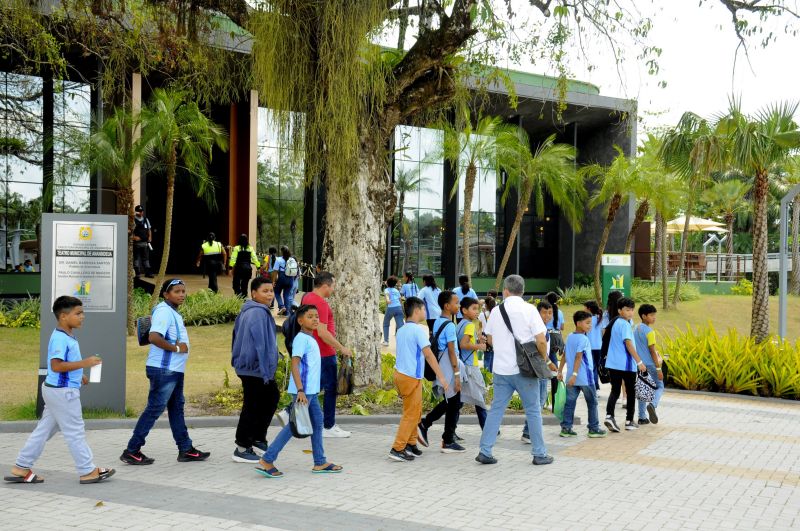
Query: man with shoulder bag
x=517, y=334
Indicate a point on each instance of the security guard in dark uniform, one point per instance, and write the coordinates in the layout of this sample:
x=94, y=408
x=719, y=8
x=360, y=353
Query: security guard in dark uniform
x=243, y=258
x=213, y=257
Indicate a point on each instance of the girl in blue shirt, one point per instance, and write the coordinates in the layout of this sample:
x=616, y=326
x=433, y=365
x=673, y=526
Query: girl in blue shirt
x=393, y=308
x=463, y=290
x=409, y=287
x=430, y=297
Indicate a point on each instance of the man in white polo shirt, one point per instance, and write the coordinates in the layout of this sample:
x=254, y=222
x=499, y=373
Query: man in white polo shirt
x=527, y=326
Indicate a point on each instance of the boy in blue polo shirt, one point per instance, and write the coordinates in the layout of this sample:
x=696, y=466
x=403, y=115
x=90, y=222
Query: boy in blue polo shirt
x=62, y=402
x=645, y=338
x=413, y=348
x=580, y=377
x=304, y=386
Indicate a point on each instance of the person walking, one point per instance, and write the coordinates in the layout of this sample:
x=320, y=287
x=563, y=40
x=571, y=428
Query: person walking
x=325, y=334
x=524, y=324
x=394, y=309
x=142, y=243
x=409, y=288
x=212, y=257
x=430, y=297
x=284, y=277
x=243, y=258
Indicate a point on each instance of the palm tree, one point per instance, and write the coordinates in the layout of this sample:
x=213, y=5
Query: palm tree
x=405, y=182
x=727, y=199
x=550, y=169
x=648, y=167
x=756, y=145
x=613, y=191
x=177, y=135
x=693, y=150
x=109, y=150
x=668, y=193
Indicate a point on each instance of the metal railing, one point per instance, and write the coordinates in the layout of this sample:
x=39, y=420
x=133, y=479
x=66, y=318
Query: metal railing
x=717, y=267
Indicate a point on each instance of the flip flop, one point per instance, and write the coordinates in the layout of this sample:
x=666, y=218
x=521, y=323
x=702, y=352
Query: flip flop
x=104, y=473
x=269, y=473
x=330, y=469
x=30, y=477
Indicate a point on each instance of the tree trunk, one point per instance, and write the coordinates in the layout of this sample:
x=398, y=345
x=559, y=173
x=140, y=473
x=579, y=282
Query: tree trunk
x=401, y=37
x=662, y=258
x=729, y=218
x=524, y=198
x=759, y=324
x=125, y=208
x=659, y=239
x=354, y=250
x=469, y=187
x=641, y=212
x=684, y=243
x=402, y=232
x=613, y=207
x=162, y=269
x=794, y=285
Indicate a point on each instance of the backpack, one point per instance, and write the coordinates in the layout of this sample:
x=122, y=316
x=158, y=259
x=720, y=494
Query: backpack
x=602, y=372
x=143, y=325
x=290, y=328
x=292, y=269
x=430, y=375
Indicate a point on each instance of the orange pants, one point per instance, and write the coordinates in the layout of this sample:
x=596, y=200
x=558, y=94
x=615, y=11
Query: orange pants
x=410, y=390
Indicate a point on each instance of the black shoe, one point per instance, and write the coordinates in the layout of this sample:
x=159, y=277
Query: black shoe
x=394, y=455
x=651, y=412
x=457, y=438
x=413, y=450
x=422, y=435
x=642, y=422
x=611, y=424
x=136, y=458
x=192, y=454
x=544, y=460
x=485, y=459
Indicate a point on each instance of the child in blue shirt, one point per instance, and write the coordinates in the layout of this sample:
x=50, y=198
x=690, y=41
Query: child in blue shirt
x=645, y=338
x=413, y=349
x=393, y=308
x=469, y=348
x=463, y=290
x=580, y=377
x=62, y=403
x=595, y=336
x=409, y=287
x=304, y=387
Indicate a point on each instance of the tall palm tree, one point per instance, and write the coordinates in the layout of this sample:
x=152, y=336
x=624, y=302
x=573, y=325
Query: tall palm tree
x=548, y=170
x=648, y=167
x=693, y=150
x=756, y=144
x=668, y=194
x=405, y=182
x=177, y=135
x=727, y=199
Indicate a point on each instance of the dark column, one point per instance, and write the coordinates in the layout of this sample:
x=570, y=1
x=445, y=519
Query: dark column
x=96, y=176
x=566, y=239
x=450, y=237
x=48, y=155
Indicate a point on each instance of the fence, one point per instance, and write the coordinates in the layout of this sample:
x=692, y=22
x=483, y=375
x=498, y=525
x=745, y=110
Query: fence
x=717, y=267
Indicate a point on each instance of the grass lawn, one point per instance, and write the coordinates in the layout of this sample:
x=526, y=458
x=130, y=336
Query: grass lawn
x=210, y=356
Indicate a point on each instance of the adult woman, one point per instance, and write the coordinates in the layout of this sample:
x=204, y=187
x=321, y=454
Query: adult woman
x=213, y=257
x=243, y=258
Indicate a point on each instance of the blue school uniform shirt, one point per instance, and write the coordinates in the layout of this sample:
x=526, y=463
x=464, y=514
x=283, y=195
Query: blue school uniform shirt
x=410, y=341
x=643, y=337
x=394, y=297
x=549, y=324
x=447, y=336
x=306, y=348
x=64, y=347
x=430, y=296
x=459, y=291
x=169, y=323
x=618, y=357
x=409, y=289
x=595, y=335
x=578, y=345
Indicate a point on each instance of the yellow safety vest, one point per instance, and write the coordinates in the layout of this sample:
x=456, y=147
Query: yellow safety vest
x=214, y=248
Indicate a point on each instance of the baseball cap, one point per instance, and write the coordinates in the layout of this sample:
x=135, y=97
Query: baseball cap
x=138, y=208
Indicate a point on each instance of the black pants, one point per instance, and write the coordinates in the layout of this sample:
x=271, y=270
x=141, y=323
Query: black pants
x=241, y=278
x=141, y=258
x=258, y=408
x=212, y=270
x=450, y=409
x=617, y=377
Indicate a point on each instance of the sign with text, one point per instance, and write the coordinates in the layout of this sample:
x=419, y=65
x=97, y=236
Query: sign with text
x=616, y=274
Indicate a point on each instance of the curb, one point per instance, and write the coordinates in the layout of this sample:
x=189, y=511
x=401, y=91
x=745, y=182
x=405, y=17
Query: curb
x=25, y=426
x=749, y=398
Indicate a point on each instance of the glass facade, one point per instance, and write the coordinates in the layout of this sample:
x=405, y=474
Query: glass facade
x=483, y=233
x=71, y=129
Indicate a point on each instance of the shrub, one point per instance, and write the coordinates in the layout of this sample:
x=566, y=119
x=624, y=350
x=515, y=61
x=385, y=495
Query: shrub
x=20, y=314
x=642, y=292
x=201, y=308
x=743, y=287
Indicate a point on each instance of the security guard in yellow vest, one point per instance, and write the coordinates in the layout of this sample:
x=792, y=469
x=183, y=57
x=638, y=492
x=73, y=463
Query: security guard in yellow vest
x=213, y=256
x=243, y=258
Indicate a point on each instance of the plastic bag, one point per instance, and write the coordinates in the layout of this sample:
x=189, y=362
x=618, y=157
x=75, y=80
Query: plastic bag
x=561, y=400
x=300, y=420
x=344, y=382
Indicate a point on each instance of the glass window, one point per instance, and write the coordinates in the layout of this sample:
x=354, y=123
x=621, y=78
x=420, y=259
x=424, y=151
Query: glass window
x=431, y=179
x=431, y=232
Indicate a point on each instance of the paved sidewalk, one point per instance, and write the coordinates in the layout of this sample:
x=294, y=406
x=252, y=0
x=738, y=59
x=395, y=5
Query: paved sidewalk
x=712, y=463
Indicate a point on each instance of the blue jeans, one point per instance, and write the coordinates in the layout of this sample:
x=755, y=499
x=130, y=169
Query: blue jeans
x=488, y=359
x=528, y=390
x=591, y=405
x=286, y=434
x=327, y=384
x=596, y=360
x=544, y=383
x=166, y=392
x=651, y=370
x=395, y=313
x=284, y=294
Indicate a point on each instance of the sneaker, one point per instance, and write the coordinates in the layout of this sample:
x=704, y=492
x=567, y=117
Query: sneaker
x=136, y=458
x=283, y=417
x=402, y=457
x=384, y=343
x=651, y=412
x=245, y=456
x=642, y=422
x=413, y=450
x=630, y=426
x=192, y=454
x=611, y=424
x=525, y=438
x=485, y=459
x=457, y=438
x=452, y=448
x=598, y=434
x=542, y=460
x=422, y=435
x=567, y=432
x=260, y=447
x=335, y=432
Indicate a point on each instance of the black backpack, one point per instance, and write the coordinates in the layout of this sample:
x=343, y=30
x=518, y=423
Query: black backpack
x=602, y=372
x=290, y=328
x=430, y=375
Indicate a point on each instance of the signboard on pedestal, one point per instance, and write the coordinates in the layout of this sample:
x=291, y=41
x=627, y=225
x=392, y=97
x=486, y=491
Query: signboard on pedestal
x=86, y=256
x=616, y=274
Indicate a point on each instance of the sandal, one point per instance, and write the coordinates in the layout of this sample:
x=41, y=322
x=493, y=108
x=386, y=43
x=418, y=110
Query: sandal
x=330, y=468
x=102, y=475
x=269, y=472
x=30, y=477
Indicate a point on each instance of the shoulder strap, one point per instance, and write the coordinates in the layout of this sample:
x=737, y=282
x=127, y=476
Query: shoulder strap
x=504, y=313
x=436, y=337
x=461, y=328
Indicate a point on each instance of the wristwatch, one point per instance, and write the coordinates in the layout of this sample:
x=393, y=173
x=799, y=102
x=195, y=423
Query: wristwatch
x=301, y=390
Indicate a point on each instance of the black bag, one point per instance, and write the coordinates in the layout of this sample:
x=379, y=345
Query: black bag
x=602, y=372
x=430, y=375
x=531, y=364
x=556, y=338
x=143, y=330
x=290, y=328
x=344, y=381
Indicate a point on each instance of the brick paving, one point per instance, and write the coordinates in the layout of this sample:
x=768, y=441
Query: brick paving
x=712, y=463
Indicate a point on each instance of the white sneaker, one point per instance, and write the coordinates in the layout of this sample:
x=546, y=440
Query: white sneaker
x=283, y=417
x=384, y=343
x=335, y=433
